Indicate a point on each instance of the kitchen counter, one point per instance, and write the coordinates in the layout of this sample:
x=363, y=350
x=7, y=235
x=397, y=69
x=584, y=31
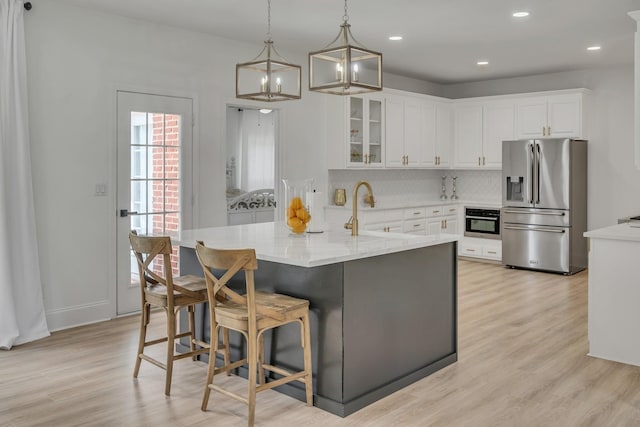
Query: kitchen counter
x=616, y=232
x=383, y=306
x=274, y=242
x=382, y=204
x=614, y=293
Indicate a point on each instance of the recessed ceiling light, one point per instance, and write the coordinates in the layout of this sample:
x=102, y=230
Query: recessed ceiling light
x=265, y=110
x=482, y=62
x=395, y=38
x=594, y=48
x=520, y=14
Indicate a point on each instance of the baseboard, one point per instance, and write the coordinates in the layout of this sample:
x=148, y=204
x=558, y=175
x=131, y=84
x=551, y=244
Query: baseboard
x=70, y=317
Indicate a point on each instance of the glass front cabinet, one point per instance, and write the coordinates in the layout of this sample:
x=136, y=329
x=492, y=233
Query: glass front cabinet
x=365, y=131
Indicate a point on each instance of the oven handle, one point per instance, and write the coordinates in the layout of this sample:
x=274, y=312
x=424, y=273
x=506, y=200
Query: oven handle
x=481, y=217
x=546, y=230
x=535, y=213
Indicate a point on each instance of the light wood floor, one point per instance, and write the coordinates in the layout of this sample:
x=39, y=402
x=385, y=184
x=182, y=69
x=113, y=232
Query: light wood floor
x=522, y=362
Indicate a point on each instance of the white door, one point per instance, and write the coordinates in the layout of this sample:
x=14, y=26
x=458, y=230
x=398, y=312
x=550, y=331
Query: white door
x=565, y=113
x=467, y=134
x=531, y=118
x=154, y=181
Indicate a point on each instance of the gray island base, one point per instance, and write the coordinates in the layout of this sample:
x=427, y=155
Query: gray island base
x=378, y=323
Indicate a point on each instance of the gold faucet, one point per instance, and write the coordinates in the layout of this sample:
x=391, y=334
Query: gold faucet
x=353, y=222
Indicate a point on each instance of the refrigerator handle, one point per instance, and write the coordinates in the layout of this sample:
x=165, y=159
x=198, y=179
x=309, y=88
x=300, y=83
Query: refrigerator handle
x=532, y=163
x=538, y=175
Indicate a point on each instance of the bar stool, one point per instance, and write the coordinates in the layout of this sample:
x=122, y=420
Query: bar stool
x=171, y=294
x=251, y=315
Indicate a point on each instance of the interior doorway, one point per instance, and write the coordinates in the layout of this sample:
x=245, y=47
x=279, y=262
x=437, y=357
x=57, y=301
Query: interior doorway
x=251, y=164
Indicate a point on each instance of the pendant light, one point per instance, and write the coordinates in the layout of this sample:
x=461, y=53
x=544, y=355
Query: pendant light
x=345, y=67
x=268, y=77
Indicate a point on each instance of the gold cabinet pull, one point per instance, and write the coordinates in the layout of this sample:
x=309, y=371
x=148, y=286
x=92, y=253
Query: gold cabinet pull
x=478, y=161
x=544, y=131
x=548, y=130
x=483, y=163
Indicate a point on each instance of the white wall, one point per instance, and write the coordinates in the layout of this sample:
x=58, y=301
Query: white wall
x=614, y=181
x=76, y=60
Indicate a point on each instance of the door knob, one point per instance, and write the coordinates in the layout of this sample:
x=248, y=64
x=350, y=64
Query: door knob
x=125, y=213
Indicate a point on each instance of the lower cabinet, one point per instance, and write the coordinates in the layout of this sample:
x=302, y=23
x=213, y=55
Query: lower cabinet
x=480, y=248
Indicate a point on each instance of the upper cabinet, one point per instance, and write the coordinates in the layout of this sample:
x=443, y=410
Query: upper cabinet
x=555, y=116
x=365, y=133
x=418, y=132
x=479, y=129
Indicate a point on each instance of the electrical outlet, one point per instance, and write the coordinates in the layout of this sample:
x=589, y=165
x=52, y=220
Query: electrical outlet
x=101, y=189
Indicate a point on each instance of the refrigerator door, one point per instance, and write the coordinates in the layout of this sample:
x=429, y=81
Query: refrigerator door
x=552, y=173
x=517, y=173
x=536, y=247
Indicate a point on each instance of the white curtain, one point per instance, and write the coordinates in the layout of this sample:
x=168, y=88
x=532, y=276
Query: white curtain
x=258, y=150
x=22, y=317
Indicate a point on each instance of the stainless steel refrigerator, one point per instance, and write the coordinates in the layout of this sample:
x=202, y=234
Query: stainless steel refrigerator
x=544, y=204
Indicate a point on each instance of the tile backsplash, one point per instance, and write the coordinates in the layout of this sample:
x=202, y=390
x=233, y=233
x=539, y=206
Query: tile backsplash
x=391, y=185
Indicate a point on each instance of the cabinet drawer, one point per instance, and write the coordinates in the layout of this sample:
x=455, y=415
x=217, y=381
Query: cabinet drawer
x=415, y=225
x=470, y=250
x=450, y=210
x=433, y=211
x=415, y=213
x=393, y=227
x=492, y=252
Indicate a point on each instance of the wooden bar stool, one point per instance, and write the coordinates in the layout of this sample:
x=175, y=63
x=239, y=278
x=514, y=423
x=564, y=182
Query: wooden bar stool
x=171, y=294
x=251, y=314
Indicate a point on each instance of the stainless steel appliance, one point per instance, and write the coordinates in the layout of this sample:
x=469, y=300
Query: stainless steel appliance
x=482, y=222
x=544, y=198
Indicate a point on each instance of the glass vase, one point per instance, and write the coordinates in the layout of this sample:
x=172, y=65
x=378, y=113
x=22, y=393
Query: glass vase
x=296, y=204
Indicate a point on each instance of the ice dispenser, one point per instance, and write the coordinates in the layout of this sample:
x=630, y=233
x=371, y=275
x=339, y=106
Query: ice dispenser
x=515, y=188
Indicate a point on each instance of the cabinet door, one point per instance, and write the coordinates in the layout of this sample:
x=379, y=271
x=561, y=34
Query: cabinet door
x=428, y=117
x=443, y=135
x=374, y=131
x=499, y=125
x=412, y=132
x=468, y=136
x=450, y=225
x=355, y=131
x=531, y=118
x=564, y=115
x=434, y=226
x=394, y=132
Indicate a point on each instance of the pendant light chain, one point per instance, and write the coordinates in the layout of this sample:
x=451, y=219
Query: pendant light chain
x=269, y=20
x=345, y=17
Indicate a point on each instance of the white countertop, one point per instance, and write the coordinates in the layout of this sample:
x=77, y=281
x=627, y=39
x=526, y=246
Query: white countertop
x=616, y=232
x=273, y=241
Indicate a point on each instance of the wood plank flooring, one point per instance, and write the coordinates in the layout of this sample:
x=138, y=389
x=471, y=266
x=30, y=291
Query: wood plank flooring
x=522, y=362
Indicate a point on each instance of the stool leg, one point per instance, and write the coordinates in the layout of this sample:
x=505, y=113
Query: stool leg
x=308, y=381
x=261, y=377
x=192, y=330
x=144, y=321
x=225, y=342
x=171, y=338
x=212, y=365
x=252, y=361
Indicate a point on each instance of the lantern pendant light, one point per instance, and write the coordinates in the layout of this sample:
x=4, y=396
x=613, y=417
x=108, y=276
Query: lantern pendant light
x=268, y=77
x=345, y=67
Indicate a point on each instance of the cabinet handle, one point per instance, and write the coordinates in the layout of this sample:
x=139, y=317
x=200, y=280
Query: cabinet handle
x=548, y=130
x=544, y=131
x=471, y=250
x=452, y=210
x=493, y=252
x=445, y=223
x=416, y=225
x=478, y=161
x=366, y=159
x=483, y=163
x=435, y=212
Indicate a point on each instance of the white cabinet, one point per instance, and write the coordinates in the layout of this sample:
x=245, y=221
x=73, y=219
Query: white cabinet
x=480, y=248
x=556, y=116
x=479, y=129
x=442, y=219
x=436, y=135
x=415, y=221
x=404, y=133
x=365, y=131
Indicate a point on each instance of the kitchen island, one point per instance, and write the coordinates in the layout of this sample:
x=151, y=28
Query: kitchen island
x=614, y=293
x=382, y=305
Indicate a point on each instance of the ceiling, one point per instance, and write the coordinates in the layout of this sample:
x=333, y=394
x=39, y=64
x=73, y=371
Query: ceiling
x=443, y=39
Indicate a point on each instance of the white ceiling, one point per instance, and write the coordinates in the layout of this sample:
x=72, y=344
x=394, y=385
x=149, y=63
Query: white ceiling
x=443, y=39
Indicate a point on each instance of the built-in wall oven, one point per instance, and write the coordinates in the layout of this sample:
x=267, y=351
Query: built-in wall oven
x=482, y=222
